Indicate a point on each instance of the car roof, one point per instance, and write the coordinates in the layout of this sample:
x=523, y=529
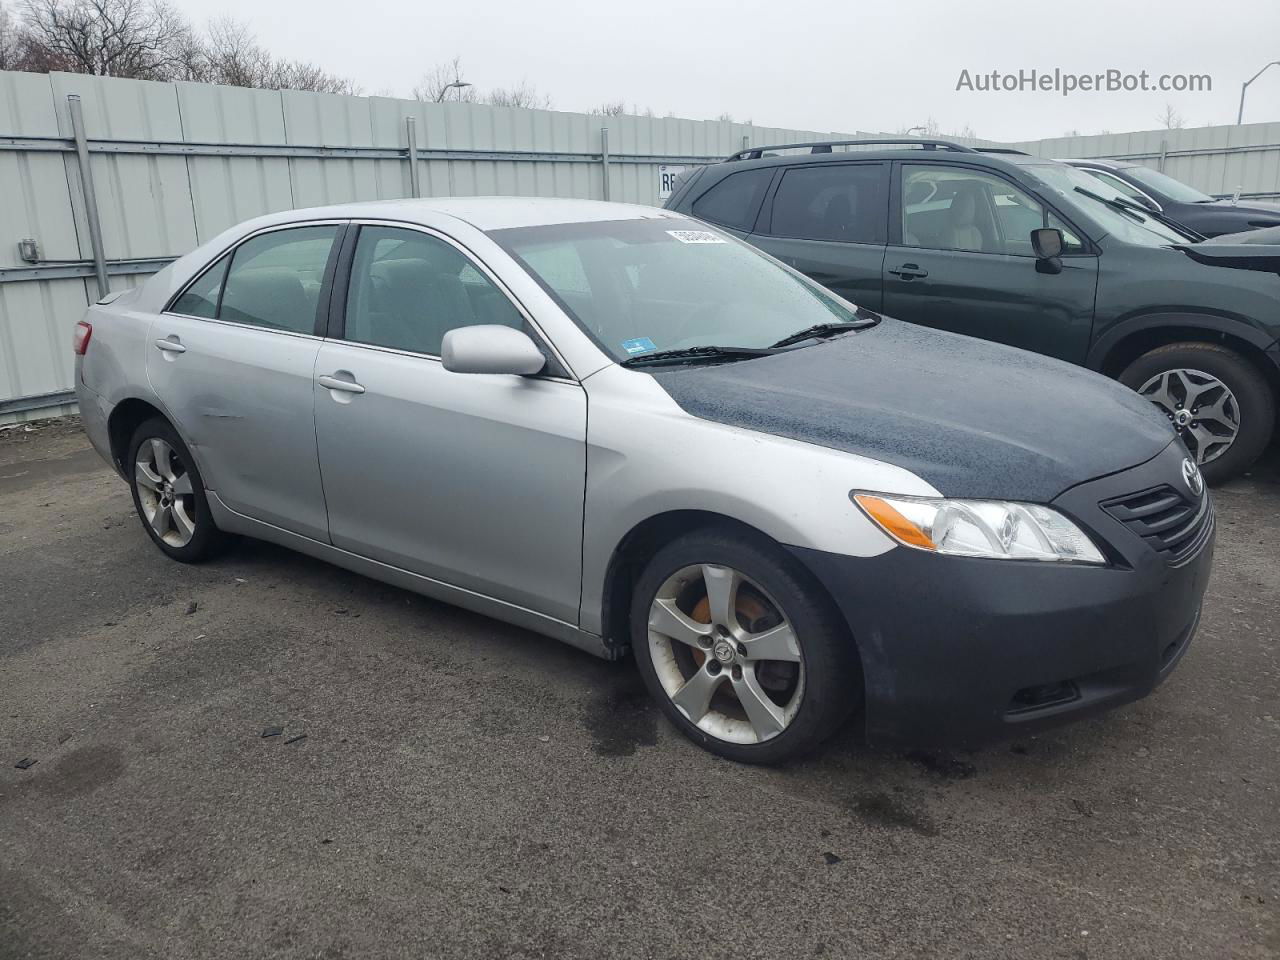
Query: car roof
x=483, y=213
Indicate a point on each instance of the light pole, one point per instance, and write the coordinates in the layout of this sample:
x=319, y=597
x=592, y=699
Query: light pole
x=911, y=130
x=459, y=84
x=1245, y=86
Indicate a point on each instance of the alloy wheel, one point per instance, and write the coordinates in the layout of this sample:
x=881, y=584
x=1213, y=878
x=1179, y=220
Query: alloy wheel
x=1200, y=406
x=165, y=492
x=726, y=654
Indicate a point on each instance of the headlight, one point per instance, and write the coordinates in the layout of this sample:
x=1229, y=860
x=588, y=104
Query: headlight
x=979, y=528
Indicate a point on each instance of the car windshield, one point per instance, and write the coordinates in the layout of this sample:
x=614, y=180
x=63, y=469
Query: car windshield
x=1175, y=190
x=1130, y=226
x=641, y=286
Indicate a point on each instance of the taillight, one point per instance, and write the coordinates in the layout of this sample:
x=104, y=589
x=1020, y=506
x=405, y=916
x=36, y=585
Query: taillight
x=80, y=341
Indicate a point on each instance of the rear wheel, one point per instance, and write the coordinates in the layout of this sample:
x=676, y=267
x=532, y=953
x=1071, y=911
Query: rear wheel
x=1220, y=404
x=741, y=649
x=168, y=494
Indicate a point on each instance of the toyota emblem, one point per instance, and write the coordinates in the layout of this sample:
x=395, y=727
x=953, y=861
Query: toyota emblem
x=1191, y=474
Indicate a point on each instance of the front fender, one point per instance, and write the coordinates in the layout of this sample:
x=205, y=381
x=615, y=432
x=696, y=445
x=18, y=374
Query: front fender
x=1128, y=327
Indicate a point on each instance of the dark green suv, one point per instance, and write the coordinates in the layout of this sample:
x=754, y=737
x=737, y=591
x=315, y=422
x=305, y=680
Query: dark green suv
x=1024, y=251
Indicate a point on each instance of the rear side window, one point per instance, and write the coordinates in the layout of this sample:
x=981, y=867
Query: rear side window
x=275, y=278
x=201, y=298
x=733, y=201
x=845, y=202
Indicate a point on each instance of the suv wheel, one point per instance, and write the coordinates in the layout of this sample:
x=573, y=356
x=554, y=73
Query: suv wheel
x=1219, y=402
x=743, y=652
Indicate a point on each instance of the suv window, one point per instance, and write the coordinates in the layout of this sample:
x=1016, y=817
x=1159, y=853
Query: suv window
x=733, y=201
x=1118, y=185
x=954, y=208
x=832, y=202
x=274, y=279
x=408, y=289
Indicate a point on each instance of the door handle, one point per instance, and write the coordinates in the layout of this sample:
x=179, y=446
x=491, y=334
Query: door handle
x=334, y=382
x=171, y=345
x=909, y=271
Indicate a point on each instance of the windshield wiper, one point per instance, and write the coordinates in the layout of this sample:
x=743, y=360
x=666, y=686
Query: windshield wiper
x=1141, y=213
x=827, y=329
x=694, y=354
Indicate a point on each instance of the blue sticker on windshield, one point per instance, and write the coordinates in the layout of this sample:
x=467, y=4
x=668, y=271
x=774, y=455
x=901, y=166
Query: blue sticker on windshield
x=638, y=345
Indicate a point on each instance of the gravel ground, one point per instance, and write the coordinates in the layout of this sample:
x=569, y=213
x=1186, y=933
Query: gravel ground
x=448, y=786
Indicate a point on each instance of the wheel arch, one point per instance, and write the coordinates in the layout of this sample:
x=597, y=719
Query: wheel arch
x=1127, y=341
x=651, y=534
x=126, y=416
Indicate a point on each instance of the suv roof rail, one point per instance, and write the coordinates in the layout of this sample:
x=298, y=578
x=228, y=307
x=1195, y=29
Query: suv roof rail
x=824, y=146
x=1011, y=150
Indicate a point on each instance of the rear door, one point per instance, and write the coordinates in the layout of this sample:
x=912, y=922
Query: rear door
x=474, y=480
x=830, y=222
x=960, y=259
x=233, y=358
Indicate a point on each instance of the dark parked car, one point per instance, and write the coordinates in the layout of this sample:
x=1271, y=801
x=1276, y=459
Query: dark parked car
x=1028, y=252
x=1202, y=213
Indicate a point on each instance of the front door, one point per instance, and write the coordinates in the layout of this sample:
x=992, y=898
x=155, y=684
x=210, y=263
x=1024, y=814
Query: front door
x=960, y=259
x=233, y=362
x=474, y=480
x=829, y=221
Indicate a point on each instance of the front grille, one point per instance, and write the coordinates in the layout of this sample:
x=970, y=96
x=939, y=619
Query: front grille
x=1172, y=524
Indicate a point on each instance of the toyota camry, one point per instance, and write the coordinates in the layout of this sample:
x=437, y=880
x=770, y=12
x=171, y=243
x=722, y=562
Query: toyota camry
x=632, y=432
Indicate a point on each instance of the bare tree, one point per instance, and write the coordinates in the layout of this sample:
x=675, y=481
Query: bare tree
x=618, y=108
x=525, y=96
x=442, y=78
x=9, y=48
x=1170, y=119
x=145, y=39
x=614, y=109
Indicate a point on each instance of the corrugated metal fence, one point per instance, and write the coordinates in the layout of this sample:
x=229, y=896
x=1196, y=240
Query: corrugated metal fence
x=172, y=164
x=175, y=163
x=1217, y=160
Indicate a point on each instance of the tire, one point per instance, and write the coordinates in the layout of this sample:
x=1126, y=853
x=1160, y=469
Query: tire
x=190, y=535
x=811, y=697
x=1189, y=369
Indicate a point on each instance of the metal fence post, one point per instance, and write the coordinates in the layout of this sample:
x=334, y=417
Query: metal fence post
x=411, y=137
x=1164, y=153
x=604, y=158
x=746, y=141
x=90, y=196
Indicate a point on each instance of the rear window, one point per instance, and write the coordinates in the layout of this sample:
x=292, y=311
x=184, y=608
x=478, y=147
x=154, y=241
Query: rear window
x=844, y=202
x=733, y=201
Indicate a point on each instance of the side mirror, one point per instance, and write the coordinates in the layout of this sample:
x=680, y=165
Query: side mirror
x=1048, y=244
x=491, y=348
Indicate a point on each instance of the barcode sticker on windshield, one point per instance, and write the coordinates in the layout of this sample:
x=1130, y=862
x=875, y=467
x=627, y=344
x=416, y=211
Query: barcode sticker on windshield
x=695, y=236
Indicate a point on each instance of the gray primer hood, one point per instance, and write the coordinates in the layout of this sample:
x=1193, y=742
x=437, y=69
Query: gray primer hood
x=974, y=419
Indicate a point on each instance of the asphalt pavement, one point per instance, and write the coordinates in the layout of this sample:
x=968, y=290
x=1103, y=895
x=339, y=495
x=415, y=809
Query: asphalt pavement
x=444, y=785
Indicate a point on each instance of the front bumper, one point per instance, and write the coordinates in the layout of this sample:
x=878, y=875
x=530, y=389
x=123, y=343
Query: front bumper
x=959, y=651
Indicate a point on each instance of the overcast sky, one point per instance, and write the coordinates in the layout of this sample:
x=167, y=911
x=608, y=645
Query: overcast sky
x=813, y=64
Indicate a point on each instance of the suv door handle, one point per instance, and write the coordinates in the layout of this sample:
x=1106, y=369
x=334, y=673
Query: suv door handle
x=171, y=345
x=909, y=271
x=333, y=381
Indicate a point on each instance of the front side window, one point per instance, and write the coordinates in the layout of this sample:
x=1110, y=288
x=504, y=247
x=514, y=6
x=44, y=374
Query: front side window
x=1175, y=190
x=843, y=202
x=275, y=278
x=955, y=208
x=408, y=289
x=735, y=200
x=637, y=286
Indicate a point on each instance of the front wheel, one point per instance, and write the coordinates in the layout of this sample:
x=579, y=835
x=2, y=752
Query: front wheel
x=741, y=648
x=1220, y=403
x=168, y=494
